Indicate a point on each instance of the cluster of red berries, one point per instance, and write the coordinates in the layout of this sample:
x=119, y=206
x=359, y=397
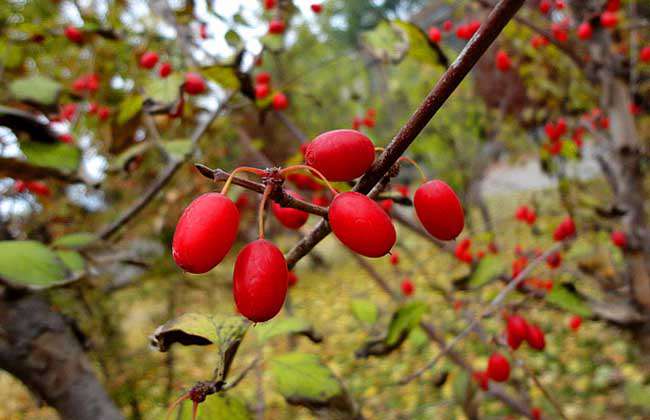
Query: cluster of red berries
x=35, y=187
x=148, y=61
x=463, y=251
x=526, y=214
x=369, y=119
x=467, y=30
x=566, y=229
x=86, y=83
x=208, y=226
x=263, y=88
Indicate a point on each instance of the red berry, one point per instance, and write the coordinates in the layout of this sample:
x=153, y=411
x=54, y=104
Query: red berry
x=544, y=6
x=503, y=61
x=276, y=27
x=321, y=200
x=304, y=182
x=439, y=210
x=20, y=186
x=434, y=34
x=407, y=287
x=565, y=229
x=447, y=25
x=463, y=32
x=536, y=413
x=585, y=31
x=340, y=155
x=242, y=202
x=517, y=327
x=644, y=55
x=387, y=205
x=165, y=70
x=148, y=60
x=316, y=8
x=559, y=4
x=559, y=32
x=66, y=138
x=574, y=322
x=369, y=122
x=260, y=281
x=619, y=238
x=263, y=78
x=357, y=122
x=262, y=91
x=482, y=379
x=80, y=84
x=103, y=112
x=554, y=260
x=498, y=368
x=74, y=34
x=205, y=233
x=280, y=101
x=292, y=279
x=203, y=31
x=394, y=258
x=473, y=26
x=93, y=107
x=269, y=4
x=68, y=111
x=361, y=224
x=39, y=188
x=290, y=217
x=535, y=337
x=493, y=248
x=194, y=84
x=608, y=19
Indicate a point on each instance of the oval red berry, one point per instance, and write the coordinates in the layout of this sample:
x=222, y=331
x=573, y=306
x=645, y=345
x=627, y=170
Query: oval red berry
x=498, y=368
x=439, y=210
x=205, y=233
x=361, y=224
x=290, y=217
x=260, y=281
x=340, y=155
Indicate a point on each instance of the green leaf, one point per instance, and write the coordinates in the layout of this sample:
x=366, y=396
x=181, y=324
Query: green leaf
x=224, y=75
x=419, y=46
x=365, y=310
x=568, y=300
x=74, y=240
x=72, y=260
x=226, y=332
x=11, y=56
x=489, y=268
x=285, y=326
x=301, y=376
x=61, y=156
x=273, y=42
x=178, y=148
x=386, y=42
x=404, y=320
x=30, y=264
x=38, y=89
x=637, y=395
x=129, y=107
x=215, y=407
x=233, y=39
x=164, y=90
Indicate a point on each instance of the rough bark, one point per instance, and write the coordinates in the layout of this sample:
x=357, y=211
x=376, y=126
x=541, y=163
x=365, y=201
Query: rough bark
x=40, y=348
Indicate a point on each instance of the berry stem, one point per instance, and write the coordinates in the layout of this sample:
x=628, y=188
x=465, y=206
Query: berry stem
x=286, y=170
x=412, y=162
x=249, y=169
x=260, y=212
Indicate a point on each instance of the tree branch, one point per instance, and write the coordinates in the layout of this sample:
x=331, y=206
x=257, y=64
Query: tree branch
x=453, y=76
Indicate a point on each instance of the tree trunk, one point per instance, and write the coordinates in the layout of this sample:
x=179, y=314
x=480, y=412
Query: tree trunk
x=40, y=349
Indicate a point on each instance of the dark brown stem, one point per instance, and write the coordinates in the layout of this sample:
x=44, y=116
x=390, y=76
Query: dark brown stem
x=278, y=195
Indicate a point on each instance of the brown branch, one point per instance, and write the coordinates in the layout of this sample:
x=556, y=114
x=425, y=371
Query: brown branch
x=453, y=76
x=279, y=195
x=20, y=169
x=163, y=179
